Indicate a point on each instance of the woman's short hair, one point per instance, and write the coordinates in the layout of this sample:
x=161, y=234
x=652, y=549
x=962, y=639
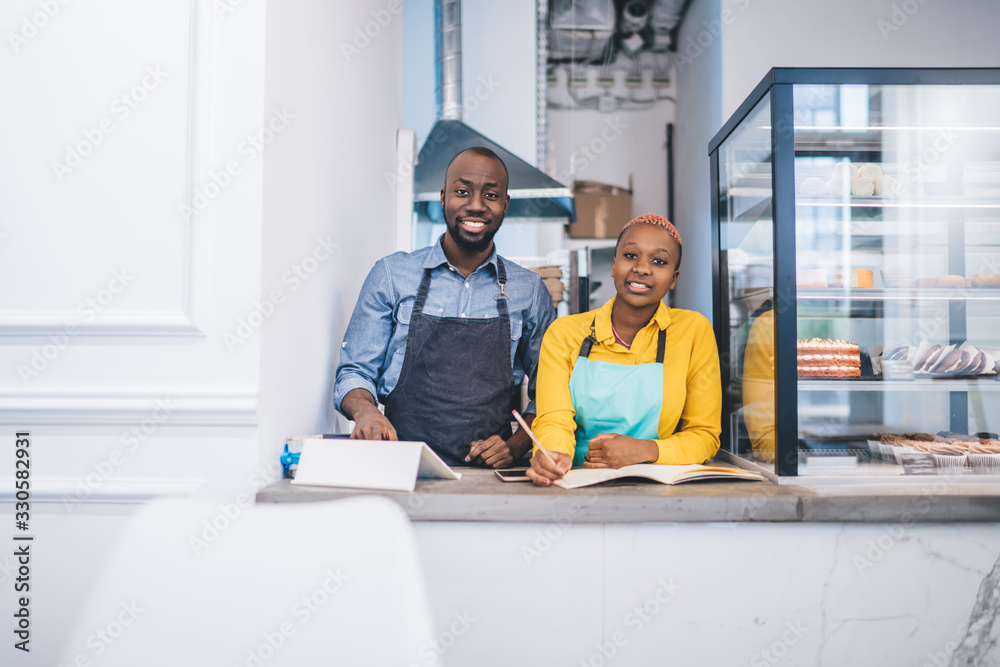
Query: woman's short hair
x=658, y=221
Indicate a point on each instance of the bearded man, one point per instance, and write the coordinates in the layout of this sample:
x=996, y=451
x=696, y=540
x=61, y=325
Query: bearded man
x=444, y=336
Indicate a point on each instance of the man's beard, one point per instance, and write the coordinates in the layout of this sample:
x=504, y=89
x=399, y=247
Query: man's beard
x=469, y=245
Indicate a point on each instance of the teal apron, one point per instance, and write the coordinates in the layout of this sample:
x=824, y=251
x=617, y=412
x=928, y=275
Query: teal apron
x=615, y=398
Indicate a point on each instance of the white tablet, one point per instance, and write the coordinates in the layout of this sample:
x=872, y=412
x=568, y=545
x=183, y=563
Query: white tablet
x=369, y=464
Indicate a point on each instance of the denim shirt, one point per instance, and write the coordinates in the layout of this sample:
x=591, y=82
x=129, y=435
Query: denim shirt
x=371, y=356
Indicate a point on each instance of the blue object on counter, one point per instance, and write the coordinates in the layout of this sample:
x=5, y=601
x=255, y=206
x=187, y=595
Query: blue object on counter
x=288, y=459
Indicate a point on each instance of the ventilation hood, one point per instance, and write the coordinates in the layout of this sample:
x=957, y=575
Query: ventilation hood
x=534, y=195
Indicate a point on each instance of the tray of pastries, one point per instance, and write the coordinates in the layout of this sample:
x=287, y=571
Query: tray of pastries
x=932, y=360
x=952, y=452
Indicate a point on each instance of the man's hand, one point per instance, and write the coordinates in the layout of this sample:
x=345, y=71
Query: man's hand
x=369, y=422
x=493, y=452
x=543, y=471
x=609, y=450
x=373, y=425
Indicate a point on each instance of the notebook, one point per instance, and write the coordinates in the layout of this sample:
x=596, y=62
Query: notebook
x=579, y=477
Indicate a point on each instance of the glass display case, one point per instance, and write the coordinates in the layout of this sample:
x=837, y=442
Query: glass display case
x=856, y=242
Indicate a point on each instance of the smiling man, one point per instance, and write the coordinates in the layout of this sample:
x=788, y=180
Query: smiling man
x=444, y=336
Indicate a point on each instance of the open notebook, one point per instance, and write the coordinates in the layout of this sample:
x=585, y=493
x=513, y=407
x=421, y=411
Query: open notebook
x=579, y=477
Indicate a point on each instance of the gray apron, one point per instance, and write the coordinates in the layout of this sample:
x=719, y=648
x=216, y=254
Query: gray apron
x=456, y=384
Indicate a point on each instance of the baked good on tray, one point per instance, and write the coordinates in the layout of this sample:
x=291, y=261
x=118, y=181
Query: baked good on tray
x=861, y=278
x=943, y=281
x=938, y=360
x=964, y=359
x=952, y=452
x=985, y=280
x=864, y=180
x=979, y=281
x=822, y=358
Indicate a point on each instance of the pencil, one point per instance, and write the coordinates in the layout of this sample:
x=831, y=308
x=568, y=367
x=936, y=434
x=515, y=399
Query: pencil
x=520, y=420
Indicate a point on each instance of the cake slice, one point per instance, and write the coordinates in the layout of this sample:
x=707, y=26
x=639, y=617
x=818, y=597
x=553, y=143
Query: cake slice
x=818, y=357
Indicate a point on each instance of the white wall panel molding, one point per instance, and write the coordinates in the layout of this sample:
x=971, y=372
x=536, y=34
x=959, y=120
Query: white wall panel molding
x=141, y=182
x=27, y=410
x=63, y=490
x=60, y=328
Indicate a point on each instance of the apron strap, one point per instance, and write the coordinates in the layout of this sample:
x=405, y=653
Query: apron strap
x=502, y=296
x=425, y=285
x=589, y=341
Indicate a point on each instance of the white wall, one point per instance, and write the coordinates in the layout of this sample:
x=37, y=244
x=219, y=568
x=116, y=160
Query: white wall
x=181, y=376
x=699, y=117
x=324, y=183
x=157, y=99
x=853, y=33
x=735, y=54
x=637, y=148
x=133, y=394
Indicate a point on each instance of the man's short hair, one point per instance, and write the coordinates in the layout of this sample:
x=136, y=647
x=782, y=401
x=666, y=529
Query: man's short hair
x=483, y=152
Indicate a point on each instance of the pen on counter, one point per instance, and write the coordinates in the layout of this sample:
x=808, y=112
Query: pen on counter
x=520, y=420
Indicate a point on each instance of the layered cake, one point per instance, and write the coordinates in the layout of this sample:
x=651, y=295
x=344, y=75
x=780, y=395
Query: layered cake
x=818, y=357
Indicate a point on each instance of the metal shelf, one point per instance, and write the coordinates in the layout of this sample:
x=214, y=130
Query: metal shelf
x=899, y=294
x=987, y=383
x=880, y=294
x=899, y=202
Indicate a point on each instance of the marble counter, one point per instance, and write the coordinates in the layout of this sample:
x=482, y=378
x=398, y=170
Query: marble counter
x=479, y=496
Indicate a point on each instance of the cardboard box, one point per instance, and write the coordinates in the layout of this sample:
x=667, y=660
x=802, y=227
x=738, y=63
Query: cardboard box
x=601, y=210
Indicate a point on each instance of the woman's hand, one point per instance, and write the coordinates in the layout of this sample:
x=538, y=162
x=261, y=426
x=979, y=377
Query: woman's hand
x=609, y=450
x=543, y=471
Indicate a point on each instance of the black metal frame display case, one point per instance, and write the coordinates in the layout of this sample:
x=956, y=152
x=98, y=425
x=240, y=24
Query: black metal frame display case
x=808, y=247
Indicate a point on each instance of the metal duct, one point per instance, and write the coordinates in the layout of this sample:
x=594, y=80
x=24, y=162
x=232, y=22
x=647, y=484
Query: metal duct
x=534, y=195
x=448, y=58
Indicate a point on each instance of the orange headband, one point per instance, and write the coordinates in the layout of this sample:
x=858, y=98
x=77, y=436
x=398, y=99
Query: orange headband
x=659, y=221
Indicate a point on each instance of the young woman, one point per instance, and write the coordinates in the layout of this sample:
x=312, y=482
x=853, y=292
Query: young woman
x=634, y=381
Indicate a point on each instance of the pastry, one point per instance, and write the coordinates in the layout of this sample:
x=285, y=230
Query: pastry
x=978, y=363
x=860, y=278
x=986, y=280
x=951, y=359
x=898, y=354
x=813, y=187
x=943, y=281
x=950, y=281
x=928, y=358
x=985, y=457
x=811, y=278
x=964, y=359
x=838, y=187
x=950, y=436
x=870, y=171
x=845, y=171
x=818, y=357
x=862, y=187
